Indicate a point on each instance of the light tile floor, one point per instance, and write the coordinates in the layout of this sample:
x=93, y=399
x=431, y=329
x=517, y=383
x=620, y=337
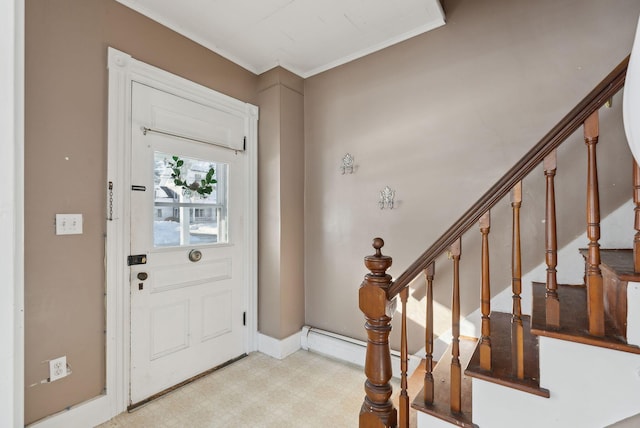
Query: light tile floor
x=305, y=390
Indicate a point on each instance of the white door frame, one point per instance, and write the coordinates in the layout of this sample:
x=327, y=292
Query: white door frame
x=12, y=214
x=123, y=69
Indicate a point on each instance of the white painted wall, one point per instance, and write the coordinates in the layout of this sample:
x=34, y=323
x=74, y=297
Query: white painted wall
x=11, y=229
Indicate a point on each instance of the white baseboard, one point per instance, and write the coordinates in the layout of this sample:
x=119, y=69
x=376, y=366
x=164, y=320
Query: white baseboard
x=347, y=349
x=88, y=414
x=278, y=348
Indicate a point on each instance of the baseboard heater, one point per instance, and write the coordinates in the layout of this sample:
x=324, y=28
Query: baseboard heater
x=347, y=349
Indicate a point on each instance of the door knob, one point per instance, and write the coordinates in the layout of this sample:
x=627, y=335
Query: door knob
x=142, y=276
x=195, y=255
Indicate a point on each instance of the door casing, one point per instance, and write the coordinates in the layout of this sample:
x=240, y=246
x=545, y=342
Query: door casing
x=123, y=70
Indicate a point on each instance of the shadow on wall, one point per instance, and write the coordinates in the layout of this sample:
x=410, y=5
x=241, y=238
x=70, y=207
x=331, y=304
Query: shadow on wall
x=615, y=184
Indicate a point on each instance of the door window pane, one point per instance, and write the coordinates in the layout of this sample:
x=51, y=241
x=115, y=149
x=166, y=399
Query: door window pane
x=182, y=214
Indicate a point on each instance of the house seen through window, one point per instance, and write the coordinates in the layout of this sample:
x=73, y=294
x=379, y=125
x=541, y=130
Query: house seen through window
x=182, y=216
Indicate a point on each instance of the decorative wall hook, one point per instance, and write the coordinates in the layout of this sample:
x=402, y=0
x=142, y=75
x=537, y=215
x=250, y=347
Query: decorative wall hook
x=347, y=164
x=386, y=198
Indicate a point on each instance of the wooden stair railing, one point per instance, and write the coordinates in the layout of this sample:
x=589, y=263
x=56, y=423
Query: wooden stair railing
x=485, y=295
x=456, y=368
x=517, y=328
x=378, y=290
x=595, y=301
x=428, y=388
x=551, y=242
x=377, y=408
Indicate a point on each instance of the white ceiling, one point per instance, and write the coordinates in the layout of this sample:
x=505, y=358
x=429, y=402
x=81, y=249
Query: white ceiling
x=303, y=36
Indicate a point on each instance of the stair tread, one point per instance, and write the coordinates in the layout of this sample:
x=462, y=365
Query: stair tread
x=441, y=407
x=574, y=321
x=503, y=370
x=620, y=261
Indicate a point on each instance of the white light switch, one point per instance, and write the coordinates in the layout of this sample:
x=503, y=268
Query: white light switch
x=68, y=224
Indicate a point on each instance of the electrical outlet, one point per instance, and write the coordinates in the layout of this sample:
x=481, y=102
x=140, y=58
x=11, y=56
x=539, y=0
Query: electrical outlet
x=57, y=368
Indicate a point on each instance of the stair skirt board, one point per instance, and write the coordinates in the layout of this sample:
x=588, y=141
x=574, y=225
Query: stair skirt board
x=348, y=349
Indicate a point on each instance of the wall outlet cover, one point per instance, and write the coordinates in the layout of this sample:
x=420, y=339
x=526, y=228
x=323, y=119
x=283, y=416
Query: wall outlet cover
x=57, y=368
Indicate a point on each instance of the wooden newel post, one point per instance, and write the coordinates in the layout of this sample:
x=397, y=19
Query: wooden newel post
x=377, y=409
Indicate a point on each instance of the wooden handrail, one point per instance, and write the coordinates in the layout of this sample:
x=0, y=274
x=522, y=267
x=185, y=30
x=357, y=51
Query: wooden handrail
x=608, y=87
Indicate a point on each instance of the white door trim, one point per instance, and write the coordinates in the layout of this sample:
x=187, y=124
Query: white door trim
x=123, y=69
x=12, y=214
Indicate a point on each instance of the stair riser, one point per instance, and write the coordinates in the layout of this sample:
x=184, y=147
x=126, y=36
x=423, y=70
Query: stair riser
x=590, y=387
x=428, y=421
x=633, y=313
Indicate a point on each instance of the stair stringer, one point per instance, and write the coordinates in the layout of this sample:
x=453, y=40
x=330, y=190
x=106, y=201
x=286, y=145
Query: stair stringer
x=590, y=387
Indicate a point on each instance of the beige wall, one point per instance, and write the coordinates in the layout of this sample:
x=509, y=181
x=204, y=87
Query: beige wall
x=439, y=118
x=66, y=117
x=281, y=204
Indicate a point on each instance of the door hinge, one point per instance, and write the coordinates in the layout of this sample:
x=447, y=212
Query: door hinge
x=244, y=318
x=244, y=144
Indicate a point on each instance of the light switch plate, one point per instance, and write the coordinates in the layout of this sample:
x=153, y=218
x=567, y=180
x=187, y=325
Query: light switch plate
x=68, y=224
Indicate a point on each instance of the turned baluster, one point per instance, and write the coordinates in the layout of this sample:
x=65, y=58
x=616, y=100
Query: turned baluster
x=485, y=297
x=429, y=273
x=377, y=409
x=517, y=329
x=636, y=210
x=404, y=359
x=552, y=303
x=456, y=371
x=595, y=297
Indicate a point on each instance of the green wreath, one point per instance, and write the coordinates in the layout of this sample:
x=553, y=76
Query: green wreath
x=204, y=187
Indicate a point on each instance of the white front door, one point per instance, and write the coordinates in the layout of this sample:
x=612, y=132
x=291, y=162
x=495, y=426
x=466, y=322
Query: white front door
x=186, y=273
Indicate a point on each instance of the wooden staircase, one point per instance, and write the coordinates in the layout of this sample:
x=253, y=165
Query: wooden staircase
x=441, y=403
x=507, y=353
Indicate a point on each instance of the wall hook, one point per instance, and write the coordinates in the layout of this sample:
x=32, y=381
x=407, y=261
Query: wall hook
x=386, y=198
x=347, y=164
